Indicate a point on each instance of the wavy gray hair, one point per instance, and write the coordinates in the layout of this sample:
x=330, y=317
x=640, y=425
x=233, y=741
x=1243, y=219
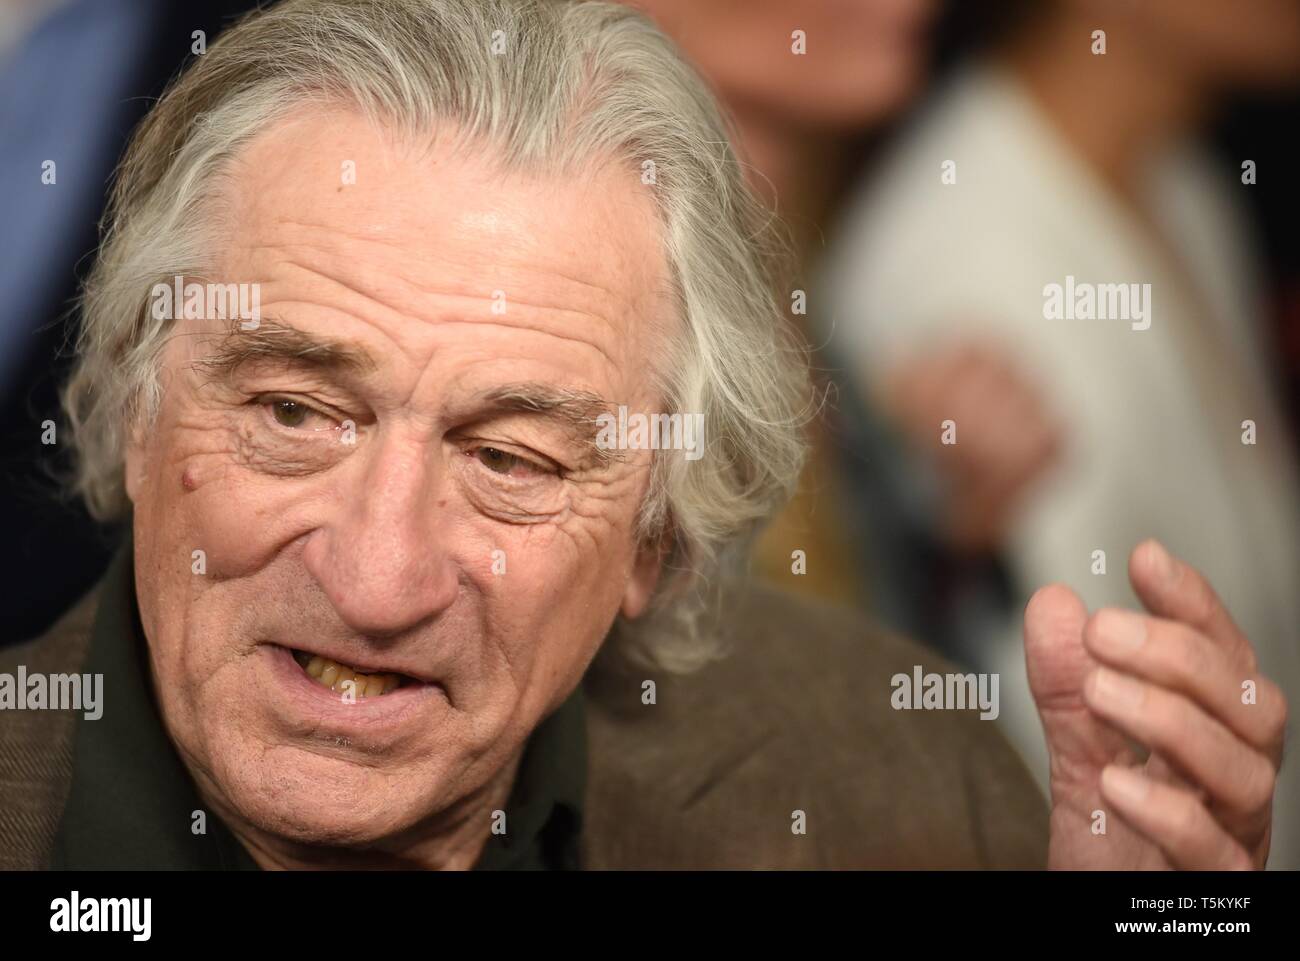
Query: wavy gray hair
x=576, y=81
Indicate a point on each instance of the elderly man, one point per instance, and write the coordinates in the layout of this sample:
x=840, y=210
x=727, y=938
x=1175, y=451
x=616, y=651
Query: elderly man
x=379, y=277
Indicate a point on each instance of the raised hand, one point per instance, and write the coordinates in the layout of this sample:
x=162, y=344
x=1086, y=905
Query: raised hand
x=1161, y=722
x=1007, y=438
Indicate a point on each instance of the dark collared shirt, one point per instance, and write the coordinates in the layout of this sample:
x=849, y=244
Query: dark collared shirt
x=132, y=803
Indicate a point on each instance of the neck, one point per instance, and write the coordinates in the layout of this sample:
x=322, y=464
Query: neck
x=449, y=840
x=1114, y=109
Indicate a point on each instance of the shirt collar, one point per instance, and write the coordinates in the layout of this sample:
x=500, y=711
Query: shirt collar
x=132, y=805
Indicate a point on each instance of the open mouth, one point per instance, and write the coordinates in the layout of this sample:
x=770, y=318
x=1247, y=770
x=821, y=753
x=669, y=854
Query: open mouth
x=336, y=676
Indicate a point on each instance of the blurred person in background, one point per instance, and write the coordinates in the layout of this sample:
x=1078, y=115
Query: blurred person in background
x=75, y=77
x=807, y=86
x=1056, y=437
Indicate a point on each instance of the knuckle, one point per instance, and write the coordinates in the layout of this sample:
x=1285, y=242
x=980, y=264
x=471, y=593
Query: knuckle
x=1271, y=703
x=1258, y=785
x=1187, y=653
x=1282, y=709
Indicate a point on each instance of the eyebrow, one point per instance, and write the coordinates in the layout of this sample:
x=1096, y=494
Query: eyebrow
x=275, y=341
x=576, y=411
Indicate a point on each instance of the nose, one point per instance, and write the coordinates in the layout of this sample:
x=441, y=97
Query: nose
x=382, y=559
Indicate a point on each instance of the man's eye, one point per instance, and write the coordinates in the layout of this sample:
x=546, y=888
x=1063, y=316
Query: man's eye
x=502, y=462
x=292, y=414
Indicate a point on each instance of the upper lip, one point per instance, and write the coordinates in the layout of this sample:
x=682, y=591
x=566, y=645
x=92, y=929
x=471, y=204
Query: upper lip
x=364, y=665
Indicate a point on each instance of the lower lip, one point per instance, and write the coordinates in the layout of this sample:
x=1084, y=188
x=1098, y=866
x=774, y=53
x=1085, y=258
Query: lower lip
x=319, y=703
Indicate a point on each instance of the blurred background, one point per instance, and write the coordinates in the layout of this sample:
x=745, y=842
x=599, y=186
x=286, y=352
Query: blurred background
x=937, y=166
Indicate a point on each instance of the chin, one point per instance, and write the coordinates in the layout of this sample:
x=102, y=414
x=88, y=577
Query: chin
x=311, y=798
x=874, y=96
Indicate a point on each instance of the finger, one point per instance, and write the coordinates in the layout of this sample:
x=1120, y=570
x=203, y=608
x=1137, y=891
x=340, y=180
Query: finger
x=969, y=397
x=1043, y=429
x=1079, y=743
x=1055, y=657
x=1015, y=432
x=1013, y=461
x=1235, y=775
x=914, y=388
x=1172, y=588
x=1174, y=820
x=1010, y=419
x=1176, y=656
x=1158, y=769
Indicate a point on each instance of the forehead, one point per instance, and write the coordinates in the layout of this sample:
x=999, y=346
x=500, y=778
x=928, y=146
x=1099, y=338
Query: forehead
x=408, y=237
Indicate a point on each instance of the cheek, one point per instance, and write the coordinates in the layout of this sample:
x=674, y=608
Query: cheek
x=554, y=591
x=551, y=574
x=190, y=652
x=189, y=485
x=212, y=513
x=192, y=534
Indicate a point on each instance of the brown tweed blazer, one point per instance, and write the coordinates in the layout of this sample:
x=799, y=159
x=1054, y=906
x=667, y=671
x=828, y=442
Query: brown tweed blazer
x=797, y=718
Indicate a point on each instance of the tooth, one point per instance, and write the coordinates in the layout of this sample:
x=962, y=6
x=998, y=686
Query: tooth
x=333, y=675
x=329, y=674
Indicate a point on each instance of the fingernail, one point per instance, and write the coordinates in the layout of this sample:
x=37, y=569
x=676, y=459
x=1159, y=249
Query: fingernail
x=1121, y=631
x=1117, y=689
x=1124, y=783
x=1162, y=562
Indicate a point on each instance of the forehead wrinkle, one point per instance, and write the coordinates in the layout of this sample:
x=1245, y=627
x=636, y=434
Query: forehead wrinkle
x=538, y=330
x=403, y=248
x=546, y=271
x=585, y=316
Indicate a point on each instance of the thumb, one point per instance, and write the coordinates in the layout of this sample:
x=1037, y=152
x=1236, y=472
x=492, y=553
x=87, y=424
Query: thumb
x=1079, y=743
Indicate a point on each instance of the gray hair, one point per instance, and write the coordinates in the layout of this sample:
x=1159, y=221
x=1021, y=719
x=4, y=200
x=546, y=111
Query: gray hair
x=576, y=82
